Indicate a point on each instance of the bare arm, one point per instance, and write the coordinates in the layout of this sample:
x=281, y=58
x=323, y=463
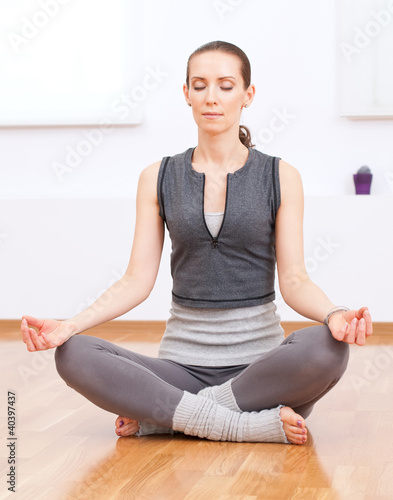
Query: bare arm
x=138, y=280
x=132, y=289
x=297, y=290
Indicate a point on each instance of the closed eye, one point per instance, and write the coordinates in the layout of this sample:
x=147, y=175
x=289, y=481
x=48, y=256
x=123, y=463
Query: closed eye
x=199, y=88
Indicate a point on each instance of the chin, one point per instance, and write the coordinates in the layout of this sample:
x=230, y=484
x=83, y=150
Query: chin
x=212, y=127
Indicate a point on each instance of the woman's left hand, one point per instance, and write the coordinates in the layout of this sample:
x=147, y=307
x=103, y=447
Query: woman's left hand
x=352, y=327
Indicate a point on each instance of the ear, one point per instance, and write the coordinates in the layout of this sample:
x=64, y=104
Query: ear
x=250, y=92
x=186, y=93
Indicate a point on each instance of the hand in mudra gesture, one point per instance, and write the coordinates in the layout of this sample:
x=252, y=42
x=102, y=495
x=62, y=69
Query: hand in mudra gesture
x=51, y=333
x=352, y=327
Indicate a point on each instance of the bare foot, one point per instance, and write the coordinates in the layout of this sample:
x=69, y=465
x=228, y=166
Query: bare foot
x=294, y=426
x=126, y=426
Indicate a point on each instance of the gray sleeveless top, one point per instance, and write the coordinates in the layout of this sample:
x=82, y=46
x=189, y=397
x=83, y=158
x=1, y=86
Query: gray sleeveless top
x=236, y=268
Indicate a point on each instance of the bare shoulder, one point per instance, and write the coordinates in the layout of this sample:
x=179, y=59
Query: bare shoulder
x=150, y=172
x=148, y=178
x=290, y=180
x=288, y=173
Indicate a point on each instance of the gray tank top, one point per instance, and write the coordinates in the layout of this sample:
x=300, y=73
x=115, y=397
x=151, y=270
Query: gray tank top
x=235, y=268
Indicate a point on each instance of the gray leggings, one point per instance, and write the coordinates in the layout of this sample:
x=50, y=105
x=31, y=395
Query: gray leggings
x=304, y=367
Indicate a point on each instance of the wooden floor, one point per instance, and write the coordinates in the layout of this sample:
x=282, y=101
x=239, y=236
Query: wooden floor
x=67, y=448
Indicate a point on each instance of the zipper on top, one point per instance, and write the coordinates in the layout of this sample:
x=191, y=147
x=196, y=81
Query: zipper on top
x=214, y=238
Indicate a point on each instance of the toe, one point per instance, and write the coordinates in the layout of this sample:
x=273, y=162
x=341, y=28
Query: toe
x=294, y=426
x=298, y=420
x=128, y=429
x=119, y=421
x=296, y=438
x=126, y=426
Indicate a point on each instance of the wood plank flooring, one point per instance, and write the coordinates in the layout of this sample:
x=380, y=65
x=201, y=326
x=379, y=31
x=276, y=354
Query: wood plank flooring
x=67, y=448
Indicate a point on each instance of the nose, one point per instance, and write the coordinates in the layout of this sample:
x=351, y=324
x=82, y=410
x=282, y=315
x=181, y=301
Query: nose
x=211, y=97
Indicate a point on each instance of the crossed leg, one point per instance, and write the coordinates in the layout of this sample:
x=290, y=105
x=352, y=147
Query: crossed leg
x=297, y=373
x=123, y=382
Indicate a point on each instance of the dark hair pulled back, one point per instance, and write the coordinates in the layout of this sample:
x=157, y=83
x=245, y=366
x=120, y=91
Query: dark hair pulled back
x=229, y=48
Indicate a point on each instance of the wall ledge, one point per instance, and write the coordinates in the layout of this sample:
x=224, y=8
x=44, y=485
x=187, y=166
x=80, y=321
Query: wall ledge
x=152, y=331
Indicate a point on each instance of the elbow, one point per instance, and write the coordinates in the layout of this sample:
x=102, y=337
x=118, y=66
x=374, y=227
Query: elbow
x=138, y=286
x=289, y=294
x=292, y=283
x=286, y=296
x=146, y=294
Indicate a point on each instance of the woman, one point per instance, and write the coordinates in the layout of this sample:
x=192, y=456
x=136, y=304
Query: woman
x=224, y=370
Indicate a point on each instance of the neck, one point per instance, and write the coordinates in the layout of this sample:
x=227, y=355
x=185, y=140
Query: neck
x=221, y=150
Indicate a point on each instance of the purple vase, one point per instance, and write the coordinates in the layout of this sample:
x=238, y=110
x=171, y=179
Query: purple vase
x=362, y=183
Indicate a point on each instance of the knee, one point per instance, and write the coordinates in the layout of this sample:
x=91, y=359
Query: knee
x=323, y=354
x=331, y=355
x=67, y=356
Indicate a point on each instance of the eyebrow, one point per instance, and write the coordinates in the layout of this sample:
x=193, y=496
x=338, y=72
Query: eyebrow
x=221, y=78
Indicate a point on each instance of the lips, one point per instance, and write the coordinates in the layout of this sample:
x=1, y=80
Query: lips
x=212, y=115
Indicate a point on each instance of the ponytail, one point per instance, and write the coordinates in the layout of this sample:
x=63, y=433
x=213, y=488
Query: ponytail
x=245, y=136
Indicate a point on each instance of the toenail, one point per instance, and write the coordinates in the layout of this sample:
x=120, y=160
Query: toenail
x=121, y=423
x=299, y=423
x=304, y=431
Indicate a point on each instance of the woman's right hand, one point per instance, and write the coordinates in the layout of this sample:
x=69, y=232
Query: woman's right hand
x=51, y=333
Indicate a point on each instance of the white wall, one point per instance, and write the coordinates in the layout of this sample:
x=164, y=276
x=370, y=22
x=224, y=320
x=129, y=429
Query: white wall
x=49, y=224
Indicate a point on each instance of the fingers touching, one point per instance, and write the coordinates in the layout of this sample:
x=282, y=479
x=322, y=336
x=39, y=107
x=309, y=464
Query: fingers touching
x=369, y=322
x=361, y=327
x=31, y=320
x=33, y=341
x=352, y=327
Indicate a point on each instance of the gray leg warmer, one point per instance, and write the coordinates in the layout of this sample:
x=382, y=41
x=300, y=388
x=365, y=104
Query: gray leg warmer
x=222, y=395
x=199, y=416
x=147, y=428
